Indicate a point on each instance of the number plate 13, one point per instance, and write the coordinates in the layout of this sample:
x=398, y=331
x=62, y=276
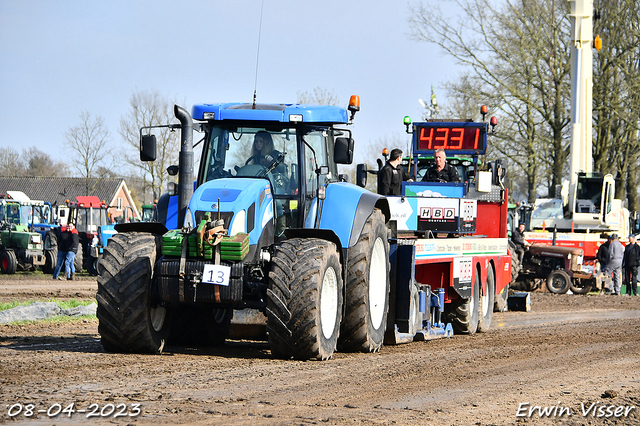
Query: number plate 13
x=216, y=274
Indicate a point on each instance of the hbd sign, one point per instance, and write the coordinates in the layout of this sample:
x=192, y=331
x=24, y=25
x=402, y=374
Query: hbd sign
x=437, y=213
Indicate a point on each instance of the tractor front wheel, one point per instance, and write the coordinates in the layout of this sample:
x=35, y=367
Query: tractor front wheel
x=367, y=289
x=558, y=282
x=128, y=318
x=8, y=262
x=304, y=304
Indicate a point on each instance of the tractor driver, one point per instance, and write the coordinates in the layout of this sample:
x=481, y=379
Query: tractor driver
x=263, y=151
x=441, y=171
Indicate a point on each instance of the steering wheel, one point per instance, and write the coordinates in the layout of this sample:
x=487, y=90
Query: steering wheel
x=256, y=159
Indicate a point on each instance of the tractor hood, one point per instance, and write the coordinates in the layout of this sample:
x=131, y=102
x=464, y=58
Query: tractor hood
x=245, y=204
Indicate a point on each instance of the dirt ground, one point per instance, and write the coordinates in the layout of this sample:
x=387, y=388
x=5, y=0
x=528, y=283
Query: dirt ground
x=568, y=353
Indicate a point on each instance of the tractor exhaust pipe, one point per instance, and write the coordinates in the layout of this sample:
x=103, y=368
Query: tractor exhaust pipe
x=185, y=174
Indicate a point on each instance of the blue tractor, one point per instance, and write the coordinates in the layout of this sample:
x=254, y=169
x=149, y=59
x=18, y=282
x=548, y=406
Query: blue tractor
x=269, y=224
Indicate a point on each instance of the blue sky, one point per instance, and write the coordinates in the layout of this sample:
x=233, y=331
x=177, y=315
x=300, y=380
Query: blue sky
x=59, y=58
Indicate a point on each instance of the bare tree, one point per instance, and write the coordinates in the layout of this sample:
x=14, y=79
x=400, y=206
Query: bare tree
x=150, y=109
x=90, y=141
x=38, y=163
x=10, y=162
x=319, y=96
x=616, y=96
x=514, y=54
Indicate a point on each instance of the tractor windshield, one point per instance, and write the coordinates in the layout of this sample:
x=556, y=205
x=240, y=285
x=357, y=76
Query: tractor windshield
x=250, y=152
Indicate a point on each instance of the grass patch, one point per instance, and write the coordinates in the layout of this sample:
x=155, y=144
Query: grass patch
x=64, y=304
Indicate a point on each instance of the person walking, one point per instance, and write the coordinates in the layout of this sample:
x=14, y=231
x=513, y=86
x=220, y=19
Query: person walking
x=614, y=265
x=630, y=265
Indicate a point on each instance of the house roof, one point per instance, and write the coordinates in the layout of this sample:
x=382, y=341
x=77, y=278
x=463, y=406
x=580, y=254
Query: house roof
x=58, y=189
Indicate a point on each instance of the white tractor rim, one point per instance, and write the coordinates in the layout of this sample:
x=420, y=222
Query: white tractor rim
x=157, y=316
x=329, y=303
x=377, y=283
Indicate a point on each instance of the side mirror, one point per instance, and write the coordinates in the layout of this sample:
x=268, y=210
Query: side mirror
x=343, y=151
x=361, y=175
x=148, y=148
x=173, y=170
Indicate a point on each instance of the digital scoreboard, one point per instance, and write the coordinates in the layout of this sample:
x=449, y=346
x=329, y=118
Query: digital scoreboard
x=468, y=138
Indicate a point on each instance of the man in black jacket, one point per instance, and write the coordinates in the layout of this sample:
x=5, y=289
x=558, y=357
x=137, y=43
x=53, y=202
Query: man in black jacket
x=390, y=177
x=630, y=264
x=517, y=237
x=441, y=171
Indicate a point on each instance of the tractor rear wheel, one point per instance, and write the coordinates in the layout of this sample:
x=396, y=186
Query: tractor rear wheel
x=486, y=302
x=50, y=260
x=516, y=265
x=558, y=282
x=580, y=286
x=51, y=252
x=8, y=262
x=367, y=289
x=77, y=261
x=304, y=305
x=463, y=313
x=128, y=318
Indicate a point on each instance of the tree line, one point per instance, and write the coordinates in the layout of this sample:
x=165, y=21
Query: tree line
x=515, y=57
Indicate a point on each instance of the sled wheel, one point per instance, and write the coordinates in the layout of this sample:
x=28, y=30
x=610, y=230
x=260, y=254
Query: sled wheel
x=486, y=302
x=463, y=313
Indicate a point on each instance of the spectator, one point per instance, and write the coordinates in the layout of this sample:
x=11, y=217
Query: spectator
x=630, y=264
x=517, y=237
x=603, y=254
x=392, y=174
x=67, y=248
x=614, y=264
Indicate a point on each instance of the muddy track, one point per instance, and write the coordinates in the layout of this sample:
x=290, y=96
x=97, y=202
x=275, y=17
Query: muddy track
x=570, y=351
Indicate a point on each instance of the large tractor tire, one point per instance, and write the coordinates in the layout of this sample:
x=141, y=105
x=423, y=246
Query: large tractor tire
x=516, y=265
x=558, y=282
x=304, y=305
x=463, y=313
x=367, y=289
x=199, y=326
x=485, y=307
x=77, y=261
x=50, y=260
x=50, y=251
x=8, y=262
x=92, y=266
x=128, y=319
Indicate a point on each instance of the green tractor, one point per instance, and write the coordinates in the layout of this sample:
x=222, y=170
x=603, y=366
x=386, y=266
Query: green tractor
x=20, y=250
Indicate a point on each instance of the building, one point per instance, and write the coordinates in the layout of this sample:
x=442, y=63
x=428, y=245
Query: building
x=57, y=190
